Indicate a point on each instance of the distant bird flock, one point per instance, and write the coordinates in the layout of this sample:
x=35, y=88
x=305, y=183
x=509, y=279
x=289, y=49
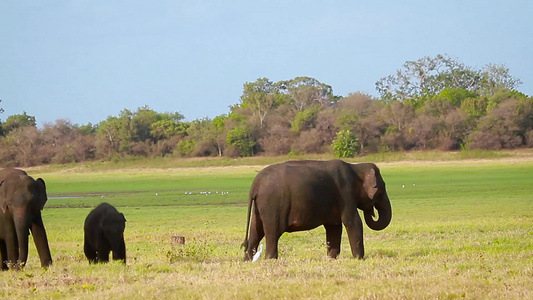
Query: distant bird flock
x=208, y=193
x=186, y=193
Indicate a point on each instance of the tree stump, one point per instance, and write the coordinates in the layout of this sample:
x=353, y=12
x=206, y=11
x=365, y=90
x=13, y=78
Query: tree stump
x=179, y=240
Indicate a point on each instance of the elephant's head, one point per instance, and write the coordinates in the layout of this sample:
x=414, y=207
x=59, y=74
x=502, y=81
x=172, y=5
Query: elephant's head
x=21, y=199
x=373, y=195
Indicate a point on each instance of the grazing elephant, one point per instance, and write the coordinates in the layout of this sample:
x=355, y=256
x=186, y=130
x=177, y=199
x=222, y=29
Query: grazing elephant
x=21, y=200
x=104, y=232
x=302, y=195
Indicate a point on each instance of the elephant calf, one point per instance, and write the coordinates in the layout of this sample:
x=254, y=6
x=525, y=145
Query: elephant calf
x=104, y=232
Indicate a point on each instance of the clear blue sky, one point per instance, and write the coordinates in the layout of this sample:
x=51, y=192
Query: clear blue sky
x=86, y=60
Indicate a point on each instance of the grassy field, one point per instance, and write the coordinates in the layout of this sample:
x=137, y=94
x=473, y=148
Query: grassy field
x=460, y=229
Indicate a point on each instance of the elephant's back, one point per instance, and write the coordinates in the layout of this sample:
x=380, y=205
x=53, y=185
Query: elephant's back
x=286, y=176
x=11, y=172
x=102, y=209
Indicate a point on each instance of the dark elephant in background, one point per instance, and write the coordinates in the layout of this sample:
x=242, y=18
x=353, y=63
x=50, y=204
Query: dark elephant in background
x=302, y=195
x=104, y=232
x=21, y=200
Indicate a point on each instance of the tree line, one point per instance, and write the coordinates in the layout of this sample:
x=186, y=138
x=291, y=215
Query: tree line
x=432, y=103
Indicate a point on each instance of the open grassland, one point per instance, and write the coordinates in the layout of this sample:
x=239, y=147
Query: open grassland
x=460, y=229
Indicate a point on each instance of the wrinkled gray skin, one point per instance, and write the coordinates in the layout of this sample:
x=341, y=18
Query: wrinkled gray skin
x=104, y=232
x=21, y=200
x=302, y=195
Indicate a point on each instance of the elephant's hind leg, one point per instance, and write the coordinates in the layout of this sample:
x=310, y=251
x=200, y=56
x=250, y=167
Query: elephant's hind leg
x=333, y=239
x=272, y=245
x=272, y=235
x=256, y=235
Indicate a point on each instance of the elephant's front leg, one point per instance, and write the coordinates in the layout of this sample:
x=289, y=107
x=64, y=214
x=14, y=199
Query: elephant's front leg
x=103, y=256
x=333, y=239
x=3, y=255
x=11, y=244
x=102, y=252
x=90, y=253
x=272, y=234
x=354, y=228
x=41, y=242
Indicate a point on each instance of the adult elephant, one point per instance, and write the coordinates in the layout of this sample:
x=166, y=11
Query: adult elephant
x=21, y=200
x=104, y=232
x=302, y=195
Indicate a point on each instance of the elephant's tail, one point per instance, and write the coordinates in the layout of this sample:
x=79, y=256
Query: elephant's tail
x=250, y=204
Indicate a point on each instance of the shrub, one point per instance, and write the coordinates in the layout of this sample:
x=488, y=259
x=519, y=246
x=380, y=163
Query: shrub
x=310, y=141
x=240, y=138
x=278, y=142
x=185, y=147
x=345, y=144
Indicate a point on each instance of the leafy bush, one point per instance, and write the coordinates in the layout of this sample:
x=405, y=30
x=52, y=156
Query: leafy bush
x=240, y=138
x=345, y=144
x=185, y=147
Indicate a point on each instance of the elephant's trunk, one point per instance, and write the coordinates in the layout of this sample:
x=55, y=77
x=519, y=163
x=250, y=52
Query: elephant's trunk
x=384, y=215
x=22, y=222
x=41, y=242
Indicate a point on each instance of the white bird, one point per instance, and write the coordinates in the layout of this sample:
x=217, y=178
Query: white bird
x=258, y=253
x=103, y=196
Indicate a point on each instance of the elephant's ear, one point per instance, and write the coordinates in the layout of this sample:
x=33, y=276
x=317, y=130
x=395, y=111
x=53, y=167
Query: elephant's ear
x=42, y=192
x=3, y=197
x=370, y=183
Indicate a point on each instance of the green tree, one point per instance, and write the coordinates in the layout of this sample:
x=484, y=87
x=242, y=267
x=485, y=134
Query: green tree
x=88, y=129
x=495, y=78
x=186, y=147
x=219, y=123
x=366, y=128
x=307, y=91
x=455, y=96
x=259, y=97
x=17, y=121
x=204, y=135
x=475, y=107
x=428, y=76
x=347, y=120
x=140, y=123
x=240, y=138
x=109, y=135
x=501, y=95
x=345, y=144
x=305, y=119
x=167, y=128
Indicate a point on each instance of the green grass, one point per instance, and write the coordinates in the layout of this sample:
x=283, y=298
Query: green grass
x=460, y=229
